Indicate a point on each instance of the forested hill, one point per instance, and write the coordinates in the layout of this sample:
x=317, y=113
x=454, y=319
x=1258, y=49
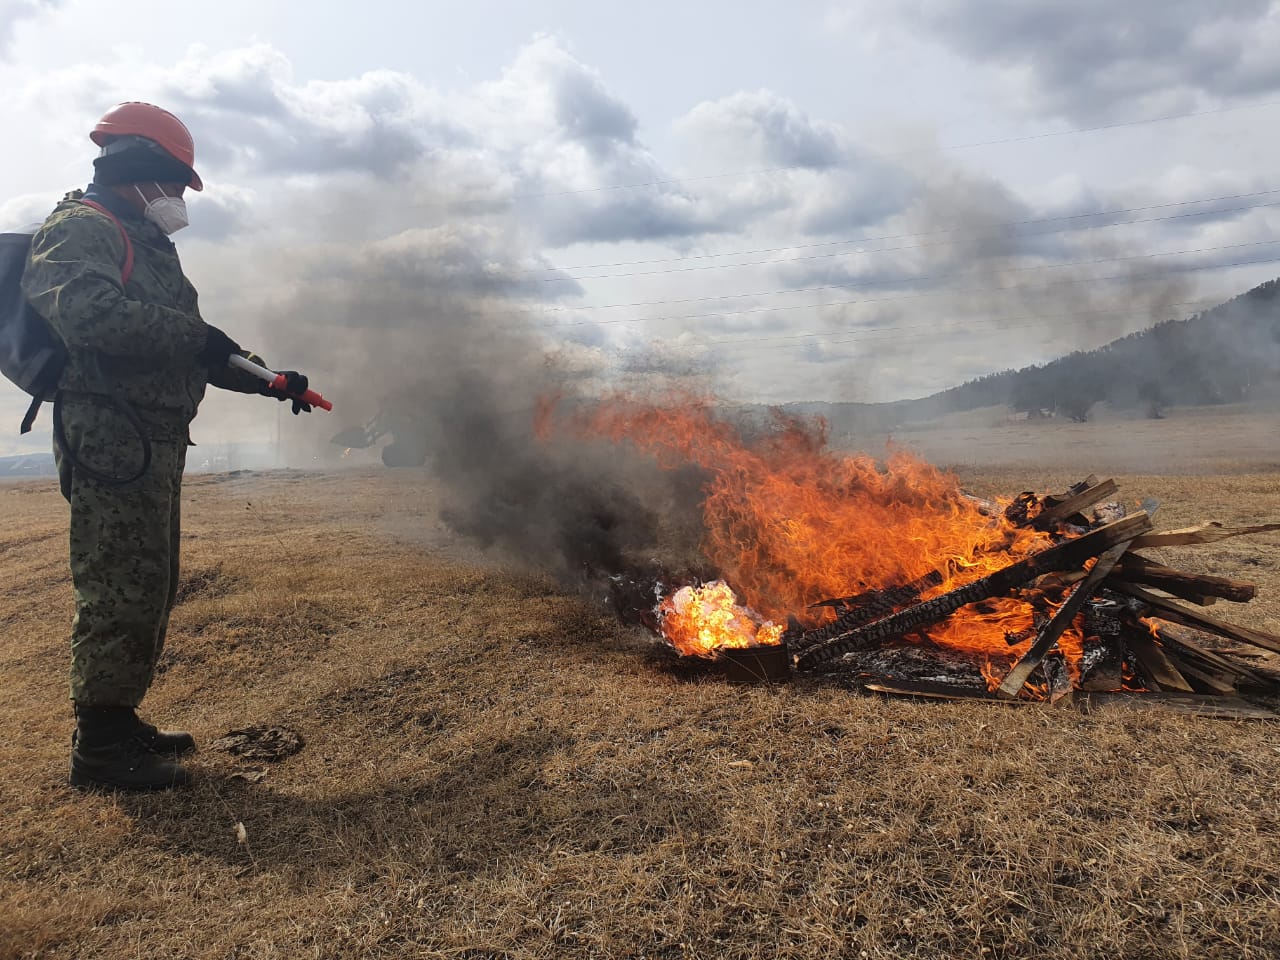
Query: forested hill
x=1224, y=355
x=1219, y=356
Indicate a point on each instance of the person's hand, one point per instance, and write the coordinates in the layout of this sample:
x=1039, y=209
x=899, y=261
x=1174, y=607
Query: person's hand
x=217, y=349
x=295, y=385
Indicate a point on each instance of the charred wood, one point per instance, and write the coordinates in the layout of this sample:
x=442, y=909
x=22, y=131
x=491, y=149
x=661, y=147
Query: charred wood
x=889, y=595
x=1102, y=663
x=1159, y=670
x=1056, y=513
x=1134, y=568
x=864, y=608
x=1013, y=682
x=1023, y=510
x=1057, y=677
x=1108, y=512
x=1169, y=610
x=1063, y=556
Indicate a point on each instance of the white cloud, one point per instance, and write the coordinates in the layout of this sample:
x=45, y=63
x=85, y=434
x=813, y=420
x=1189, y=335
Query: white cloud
x=1097, y=60
x=812, y=174
x=546, y=135
x=13, y=12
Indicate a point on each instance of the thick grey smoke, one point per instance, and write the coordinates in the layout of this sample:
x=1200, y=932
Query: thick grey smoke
x=1000, y=283
x=438, y=350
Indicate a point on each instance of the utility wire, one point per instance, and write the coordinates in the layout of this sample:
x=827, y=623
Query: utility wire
x=912, y=246
x=839, y=286
x=1190, y=268
x=891, y=332
x=1031, y=324
x=946, y=147
x=929, y=233
x=1030, y=321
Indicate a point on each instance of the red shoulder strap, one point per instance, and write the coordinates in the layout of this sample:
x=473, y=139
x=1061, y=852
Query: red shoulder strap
x=126, y=270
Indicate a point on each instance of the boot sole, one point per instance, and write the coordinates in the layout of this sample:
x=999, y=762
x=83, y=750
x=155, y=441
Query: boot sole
x=81, y=781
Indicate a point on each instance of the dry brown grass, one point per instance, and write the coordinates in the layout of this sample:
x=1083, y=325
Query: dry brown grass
x=493, y=769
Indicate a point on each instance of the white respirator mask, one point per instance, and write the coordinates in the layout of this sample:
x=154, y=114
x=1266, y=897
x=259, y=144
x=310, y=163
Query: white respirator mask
x=167, y=213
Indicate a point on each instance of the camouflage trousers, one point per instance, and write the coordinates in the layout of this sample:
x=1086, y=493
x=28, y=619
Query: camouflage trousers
x=124, y=555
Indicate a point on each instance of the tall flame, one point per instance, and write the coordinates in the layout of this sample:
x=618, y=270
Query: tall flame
x=790, y=522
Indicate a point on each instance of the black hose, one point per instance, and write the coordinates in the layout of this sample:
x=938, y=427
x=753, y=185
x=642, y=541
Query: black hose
x=60, y=438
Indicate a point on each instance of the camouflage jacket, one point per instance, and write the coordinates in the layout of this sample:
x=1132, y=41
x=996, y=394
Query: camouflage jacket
x=138, y=341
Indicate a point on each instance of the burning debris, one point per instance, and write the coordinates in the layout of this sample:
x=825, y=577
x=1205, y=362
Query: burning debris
x=872, y=568
x=703, y=621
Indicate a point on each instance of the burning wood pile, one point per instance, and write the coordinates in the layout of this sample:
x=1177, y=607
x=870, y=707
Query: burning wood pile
x=887, y=575
x=1097, y=623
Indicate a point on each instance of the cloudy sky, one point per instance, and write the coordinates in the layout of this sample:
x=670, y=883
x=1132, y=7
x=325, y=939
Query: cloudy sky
x=792, y=201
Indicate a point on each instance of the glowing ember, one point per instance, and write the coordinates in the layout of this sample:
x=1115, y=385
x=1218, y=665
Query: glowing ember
x=702, y=620
x=790, y=522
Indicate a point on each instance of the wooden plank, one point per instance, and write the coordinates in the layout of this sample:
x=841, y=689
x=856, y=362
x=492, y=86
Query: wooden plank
x=1199, y=600
x=1013, y=682
x=1154, y=662
x=931, y=691
x=1180, y=614
x=1063, y=556
x=1135, y=568
x=895, y=596
x=1058, y=512
x=1227, y=708
x=1179, y=641
x=1053, y=499
x=860, y=610
x=1213, y=683
x=1205, y=533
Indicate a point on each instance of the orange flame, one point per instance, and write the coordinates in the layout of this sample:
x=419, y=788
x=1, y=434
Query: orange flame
x=789, y=522
x=699, y=621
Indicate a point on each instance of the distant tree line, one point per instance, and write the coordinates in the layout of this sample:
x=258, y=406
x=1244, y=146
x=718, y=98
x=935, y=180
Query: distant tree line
x=1218, y=356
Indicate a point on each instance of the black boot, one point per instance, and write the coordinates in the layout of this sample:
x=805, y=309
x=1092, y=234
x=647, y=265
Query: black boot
x=108, y=752
x=167, y=743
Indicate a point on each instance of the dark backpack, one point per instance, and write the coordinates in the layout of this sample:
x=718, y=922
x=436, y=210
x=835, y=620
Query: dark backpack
x=31, y=354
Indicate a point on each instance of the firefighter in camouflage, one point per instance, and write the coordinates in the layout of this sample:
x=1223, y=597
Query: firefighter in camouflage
x=139, y=359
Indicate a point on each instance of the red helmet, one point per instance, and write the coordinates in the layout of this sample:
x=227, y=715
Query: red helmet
x=160, y=126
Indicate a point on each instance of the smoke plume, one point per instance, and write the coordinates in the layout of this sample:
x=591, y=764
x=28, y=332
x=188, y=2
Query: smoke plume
x=438, y=348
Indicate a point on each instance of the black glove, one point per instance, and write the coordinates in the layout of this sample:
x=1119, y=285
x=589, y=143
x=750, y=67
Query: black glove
x=294, y=383
x=218, y=348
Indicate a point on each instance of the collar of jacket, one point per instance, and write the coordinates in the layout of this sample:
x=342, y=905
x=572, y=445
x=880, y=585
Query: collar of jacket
x=117, y=204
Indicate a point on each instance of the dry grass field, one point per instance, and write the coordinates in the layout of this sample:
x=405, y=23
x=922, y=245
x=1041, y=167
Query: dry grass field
x=1189, y=441
x=495, y=769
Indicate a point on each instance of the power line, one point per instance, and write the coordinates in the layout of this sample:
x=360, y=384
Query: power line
x=891, y=333
x=1031, y=321
x=951, y=292
x=840, y=286
x=1007, y=323
x=667, y=181
x=914, y=246
x=927, y=233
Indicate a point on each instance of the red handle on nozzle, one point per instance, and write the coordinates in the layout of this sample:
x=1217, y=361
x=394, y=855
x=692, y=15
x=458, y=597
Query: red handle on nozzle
x=277, y=381
x=281, y=382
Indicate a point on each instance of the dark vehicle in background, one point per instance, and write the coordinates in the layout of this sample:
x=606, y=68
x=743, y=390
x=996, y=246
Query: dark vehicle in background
x=408, y=446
